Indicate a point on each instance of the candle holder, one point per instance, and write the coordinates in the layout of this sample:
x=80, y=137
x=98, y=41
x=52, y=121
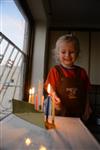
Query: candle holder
x=49, y=125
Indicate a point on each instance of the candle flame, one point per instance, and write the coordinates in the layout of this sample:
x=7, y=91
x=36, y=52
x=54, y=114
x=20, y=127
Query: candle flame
x=31, y=91
x=49, y=88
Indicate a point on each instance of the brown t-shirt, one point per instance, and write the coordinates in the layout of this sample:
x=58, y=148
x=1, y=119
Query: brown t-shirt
x=71, y=86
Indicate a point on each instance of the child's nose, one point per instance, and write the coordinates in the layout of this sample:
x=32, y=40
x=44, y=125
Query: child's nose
x=67, y=54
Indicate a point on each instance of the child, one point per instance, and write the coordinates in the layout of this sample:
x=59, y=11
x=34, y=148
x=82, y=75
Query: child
x=70, y=83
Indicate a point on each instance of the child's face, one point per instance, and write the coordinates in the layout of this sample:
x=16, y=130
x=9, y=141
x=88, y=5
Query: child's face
x=67, y=53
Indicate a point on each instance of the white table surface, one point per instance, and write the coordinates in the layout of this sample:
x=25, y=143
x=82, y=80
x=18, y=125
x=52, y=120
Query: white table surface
x=70, y=134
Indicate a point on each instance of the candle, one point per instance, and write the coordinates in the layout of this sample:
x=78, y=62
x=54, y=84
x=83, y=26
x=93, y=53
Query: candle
x=30, y=95
x=53, y=108
x=36, y=102
x=39, y=91
x=42, y=102
x=48, y=102
x=47, y=107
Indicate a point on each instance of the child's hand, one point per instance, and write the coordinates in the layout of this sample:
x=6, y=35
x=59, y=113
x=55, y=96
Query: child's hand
x=57, y=102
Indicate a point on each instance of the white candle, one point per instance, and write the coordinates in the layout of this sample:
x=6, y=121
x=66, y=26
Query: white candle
x=53, y=108
x=32, y=95
x=42, y=101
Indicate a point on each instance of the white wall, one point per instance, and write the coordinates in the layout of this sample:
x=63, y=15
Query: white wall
x=38, y=53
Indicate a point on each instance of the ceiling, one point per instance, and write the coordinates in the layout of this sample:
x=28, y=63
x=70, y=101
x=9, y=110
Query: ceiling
x=67, y=13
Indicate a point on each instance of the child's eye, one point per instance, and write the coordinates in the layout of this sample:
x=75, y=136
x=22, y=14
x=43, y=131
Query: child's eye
x=72, y=52
x=63, y=52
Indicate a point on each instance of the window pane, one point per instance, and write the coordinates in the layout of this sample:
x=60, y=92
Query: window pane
x=13, y=29
x=12, y=22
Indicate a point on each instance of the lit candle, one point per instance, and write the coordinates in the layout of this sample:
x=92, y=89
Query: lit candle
x=53, y=108
x=48, y=102
x=30, y=95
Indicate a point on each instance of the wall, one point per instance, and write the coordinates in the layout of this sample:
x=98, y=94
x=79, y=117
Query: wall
x=39, y=52
x=89, y=57
x=95, y=58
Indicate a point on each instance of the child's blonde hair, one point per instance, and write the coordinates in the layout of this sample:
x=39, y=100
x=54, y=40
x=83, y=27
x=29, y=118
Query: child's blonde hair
x=68, y=38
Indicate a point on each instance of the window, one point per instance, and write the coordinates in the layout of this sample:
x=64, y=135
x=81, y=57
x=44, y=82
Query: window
x=13, y=31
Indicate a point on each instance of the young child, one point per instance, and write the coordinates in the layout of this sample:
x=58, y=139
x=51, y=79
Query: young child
x=70, y=83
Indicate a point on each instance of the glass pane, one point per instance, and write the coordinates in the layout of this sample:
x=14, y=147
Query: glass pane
x=12, y=22
x=12, y=59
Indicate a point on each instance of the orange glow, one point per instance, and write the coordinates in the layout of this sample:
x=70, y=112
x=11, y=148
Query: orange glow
x=31, y=91
x=31, y=95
